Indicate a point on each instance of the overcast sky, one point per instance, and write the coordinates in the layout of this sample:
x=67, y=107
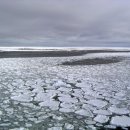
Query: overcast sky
x=65, y=23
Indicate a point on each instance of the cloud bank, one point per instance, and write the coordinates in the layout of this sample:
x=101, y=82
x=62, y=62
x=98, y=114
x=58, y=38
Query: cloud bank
x=64, y=23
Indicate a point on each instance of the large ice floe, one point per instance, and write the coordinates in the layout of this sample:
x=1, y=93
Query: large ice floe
x=43, y=94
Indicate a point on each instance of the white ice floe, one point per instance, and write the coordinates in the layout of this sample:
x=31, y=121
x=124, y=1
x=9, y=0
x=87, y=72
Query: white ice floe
x=21, y=128
x=55, y=128
x=69, y=126
x=59, y=83
x=86, y=106
x=84, y=85
x=84, y=112
x=65, y=89
x=68, y=99
x=123, y=121
x=53, y=105
x=113, y=101
x=101, y=118
x=67, y=105
x=58, y=117
x=121, y=93
x=66, y=110
x=41, y=96
x=103, y=112
x=97, y=103
x=22, y=98
x=78, y=93
x=110, y=127
x=90, y=122
x=119, y=111
x=1, y=112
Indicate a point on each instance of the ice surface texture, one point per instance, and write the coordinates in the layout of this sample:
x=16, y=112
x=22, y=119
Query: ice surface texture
x=41, y=93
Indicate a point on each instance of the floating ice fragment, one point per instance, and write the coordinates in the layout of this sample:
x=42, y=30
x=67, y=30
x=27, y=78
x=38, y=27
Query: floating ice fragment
x=101, y=118
x=69, y=126
x=123, y=121
x=68, y=99
x=53, y=105
x=41, y=96
x=55, y=128
x=119, y=111
x=102, y=112
x=66, y=110
x=22, y=98
x=63, y=89
x=1, y=112
x=84, y=112
x=97, y=103
x=59, y=83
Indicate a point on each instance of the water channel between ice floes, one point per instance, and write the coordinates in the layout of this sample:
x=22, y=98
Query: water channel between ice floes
x=42, y=94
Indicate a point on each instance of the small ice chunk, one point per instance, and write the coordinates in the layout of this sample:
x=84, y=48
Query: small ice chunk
x=66, y=105
x=28, y=125
x=5, y=124
x=21, y=128
x=57, y=117
x=123, y=121
x=120, y=94
x=59, y=83
x=110, y=127
x=80, y=128
x=66, y=110
x=69, y=126
x=1, y=112
x=119, y=111
x=84, y=85
x=41, y=96
x=78, y=93
x=63, y=89
x=101, y=118
x=22, y=98
x=113, y=101
x=102, y=112
x=55, y=128
x=68, y=99
x=97, y=103
x=84, y=112
x=53, y=105
x=90, y=122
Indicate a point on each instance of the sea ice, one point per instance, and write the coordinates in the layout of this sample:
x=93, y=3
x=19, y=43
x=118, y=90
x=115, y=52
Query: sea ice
x=101, y=118
x=119, y=111
x=66, y=110
x=97, y=103
x=22, y=98
x=84, y=112
x=69, y=126
x=53, y=105
x=102, y=112
x=55, y=128
x=68, y=99
x=123, y=121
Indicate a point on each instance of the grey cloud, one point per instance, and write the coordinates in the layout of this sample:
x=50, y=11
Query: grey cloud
x=64, y=22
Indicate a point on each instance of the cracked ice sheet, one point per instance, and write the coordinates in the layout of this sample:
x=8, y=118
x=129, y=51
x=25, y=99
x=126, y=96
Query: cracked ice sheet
x=36, y=90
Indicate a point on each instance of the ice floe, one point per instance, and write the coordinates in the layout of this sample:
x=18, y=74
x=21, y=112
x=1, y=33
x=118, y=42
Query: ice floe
x=120, y=111
x=97, y=103
x=101, y=118
x=123, y=121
